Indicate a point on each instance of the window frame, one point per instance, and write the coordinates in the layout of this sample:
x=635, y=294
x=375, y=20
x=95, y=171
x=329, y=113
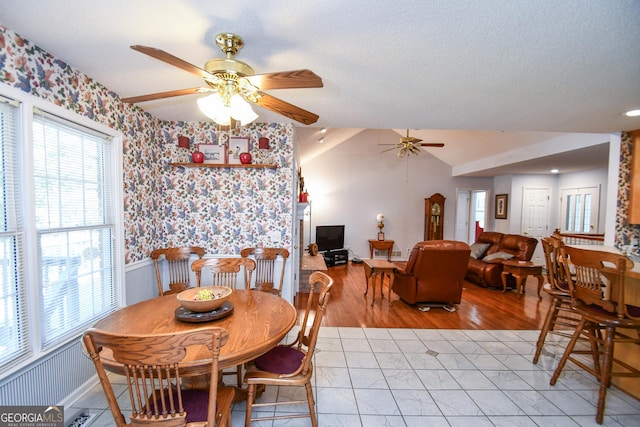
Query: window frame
x=28, y=104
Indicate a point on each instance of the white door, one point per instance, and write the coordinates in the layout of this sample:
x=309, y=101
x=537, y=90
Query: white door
x=462, y=216
x=535, y=217
x=579, y=210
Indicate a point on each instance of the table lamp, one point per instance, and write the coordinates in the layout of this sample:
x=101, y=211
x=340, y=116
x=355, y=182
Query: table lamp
x=380, y=219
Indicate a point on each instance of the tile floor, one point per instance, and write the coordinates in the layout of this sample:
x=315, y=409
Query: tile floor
x=419, y=377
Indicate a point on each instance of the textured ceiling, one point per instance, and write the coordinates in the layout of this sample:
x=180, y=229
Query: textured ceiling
x=503, y=66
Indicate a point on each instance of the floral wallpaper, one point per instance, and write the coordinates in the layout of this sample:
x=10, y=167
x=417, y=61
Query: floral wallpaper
x=625, y=232
x=222, y=210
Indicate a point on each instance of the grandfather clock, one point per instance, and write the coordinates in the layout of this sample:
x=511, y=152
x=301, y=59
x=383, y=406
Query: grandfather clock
x=433, y=217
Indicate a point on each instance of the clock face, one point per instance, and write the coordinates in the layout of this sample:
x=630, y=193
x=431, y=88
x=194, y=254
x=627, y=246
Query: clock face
x=435, y=209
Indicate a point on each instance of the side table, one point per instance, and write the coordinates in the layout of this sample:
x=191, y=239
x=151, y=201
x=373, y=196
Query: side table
x=381, y=245
x=521, y=270
x=378, y=267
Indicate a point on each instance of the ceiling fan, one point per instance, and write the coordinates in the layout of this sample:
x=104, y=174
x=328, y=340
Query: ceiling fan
x=233, y=81
x=409, y=145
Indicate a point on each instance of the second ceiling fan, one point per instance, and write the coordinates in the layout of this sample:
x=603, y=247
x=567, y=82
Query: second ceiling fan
x=235, y=81
x=409, y=145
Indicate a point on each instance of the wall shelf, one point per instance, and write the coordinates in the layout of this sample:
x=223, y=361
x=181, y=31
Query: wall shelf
x=223, y=165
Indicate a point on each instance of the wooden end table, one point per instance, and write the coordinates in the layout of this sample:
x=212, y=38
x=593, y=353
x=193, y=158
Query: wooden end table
x=378, y=267
x=381, y=245
x=521, y=270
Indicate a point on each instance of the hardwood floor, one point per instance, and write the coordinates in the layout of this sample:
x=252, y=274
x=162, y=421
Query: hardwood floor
x=480, y=308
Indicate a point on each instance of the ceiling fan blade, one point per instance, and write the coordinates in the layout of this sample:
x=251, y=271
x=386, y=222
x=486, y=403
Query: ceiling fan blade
x=172, y=60
x=432, y=144
x=294, y=79
x=288, y=110
x=161, y=95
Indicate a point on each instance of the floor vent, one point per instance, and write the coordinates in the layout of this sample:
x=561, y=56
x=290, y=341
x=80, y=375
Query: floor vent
x=84, y=418
x=385, y=253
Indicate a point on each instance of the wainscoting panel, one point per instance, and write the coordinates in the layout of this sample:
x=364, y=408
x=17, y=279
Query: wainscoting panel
x=50, y=380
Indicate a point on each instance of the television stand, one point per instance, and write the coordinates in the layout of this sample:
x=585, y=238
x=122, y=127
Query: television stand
x=336, y=257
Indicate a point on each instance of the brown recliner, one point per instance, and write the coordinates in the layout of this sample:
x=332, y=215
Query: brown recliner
x=433, y=273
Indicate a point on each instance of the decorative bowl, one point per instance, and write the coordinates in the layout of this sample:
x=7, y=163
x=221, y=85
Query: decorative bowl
x=220, y=295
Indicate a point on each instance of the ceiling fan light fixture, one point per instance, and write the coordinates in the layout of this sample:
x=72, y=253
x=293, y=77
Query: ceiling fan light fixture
x=214, y=107
x=241, y=110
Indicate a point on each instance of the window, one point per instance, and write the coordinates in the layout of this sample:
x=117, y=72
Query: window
x=580, y=210
x=14, y=331
x=68, y=265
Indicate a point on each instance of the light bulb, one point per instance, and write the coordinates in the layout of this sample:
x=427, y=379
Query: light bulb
x=241, y=110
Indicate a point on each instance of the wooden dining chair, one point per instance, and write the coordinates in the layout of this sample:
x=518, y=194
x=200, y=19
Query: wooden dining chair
x=560, y=320
x=265, y=275
x=178, y=262
x=151, y=368
x=597, y=286
x=226, y=272
x=291, y=364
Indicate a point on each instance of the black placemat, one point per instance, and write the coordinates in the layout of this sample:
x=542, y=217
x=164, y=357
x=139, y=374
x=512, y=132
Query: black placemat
x=185, y=315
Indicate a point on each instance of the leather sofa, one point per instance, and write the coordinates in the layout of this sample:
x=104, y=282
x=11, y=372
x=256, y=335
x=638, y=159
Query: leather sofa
x=433, y=273
x=488, y=252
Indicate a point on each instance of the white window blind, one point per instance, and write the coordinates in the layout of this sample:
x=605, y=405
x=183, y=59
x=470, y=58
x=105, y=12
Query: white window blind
x=75, y=225
x=14, y=330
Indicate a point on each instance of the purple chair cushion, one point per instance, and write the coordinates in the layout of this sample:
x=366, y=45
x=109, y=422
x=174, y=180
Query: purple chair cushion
x=633, y=310
x=280, y=360
x=195, y=403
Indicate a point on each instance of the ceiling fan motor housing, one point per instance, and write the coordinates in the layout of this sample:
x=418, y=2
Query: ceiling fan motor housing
x=228, y=65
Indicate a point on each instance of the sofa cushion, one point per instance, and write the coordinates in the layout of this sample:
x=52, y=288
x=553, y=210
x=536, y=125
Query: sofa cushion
x=497, y=256
x=478, y=249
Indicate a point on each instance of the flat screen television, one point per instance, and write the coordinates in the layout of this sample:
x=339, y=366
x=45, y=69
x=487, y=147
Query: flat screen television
x=329, y=237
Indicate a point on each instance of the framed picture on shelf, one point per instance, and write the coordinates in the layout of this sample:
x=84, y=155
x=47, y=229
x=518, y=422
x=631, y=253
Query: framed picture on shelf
x=501, y=206
x=237, y=145
x=213, y=153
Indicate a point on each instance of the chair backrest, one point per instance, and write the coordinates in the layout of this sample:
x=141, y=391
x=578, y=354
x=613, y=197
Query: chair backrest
x=150, y=366
x=320, y=290
x=439, y=261
x=597, y=277
x=225, y=271
x=178, y=265
x=555, y=270
x=265, y=275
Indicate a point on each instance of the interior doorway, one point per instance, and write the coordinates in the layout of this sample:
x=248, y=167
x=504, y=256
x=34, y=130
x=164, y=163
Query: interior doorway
x=471, y=208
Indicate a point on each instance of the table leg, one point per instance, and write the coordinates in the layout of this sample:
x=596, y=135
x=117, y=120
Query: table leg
x=540, y=283
x=520, y=287
x=374, y=277
x=367, y=276
x=392, y=277
x=504, y=281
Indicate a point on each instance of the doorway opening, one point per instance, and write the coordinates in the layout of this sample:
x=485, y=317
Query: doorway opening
x=471, y=209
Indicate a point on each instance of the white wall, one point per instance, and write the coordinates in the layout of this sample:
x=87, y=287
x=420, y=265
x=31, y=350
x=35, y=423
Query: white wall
x=354, y=181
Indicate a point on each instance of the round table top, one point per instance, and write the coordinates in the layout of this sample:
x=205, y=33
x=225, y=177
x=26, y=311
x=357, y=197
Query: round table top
x=259, y=321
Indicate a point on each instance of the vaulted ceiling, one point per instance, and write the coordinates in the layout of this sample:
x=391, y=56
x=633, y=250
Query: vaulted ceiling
x=481, y=76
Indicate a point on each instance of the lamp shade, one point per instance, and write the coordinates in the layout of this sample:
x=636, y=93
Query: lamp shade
x=214, y=107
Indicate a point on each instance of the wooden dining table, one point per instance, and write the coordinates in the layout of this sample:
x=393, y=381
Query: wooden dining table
x=259, y=321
